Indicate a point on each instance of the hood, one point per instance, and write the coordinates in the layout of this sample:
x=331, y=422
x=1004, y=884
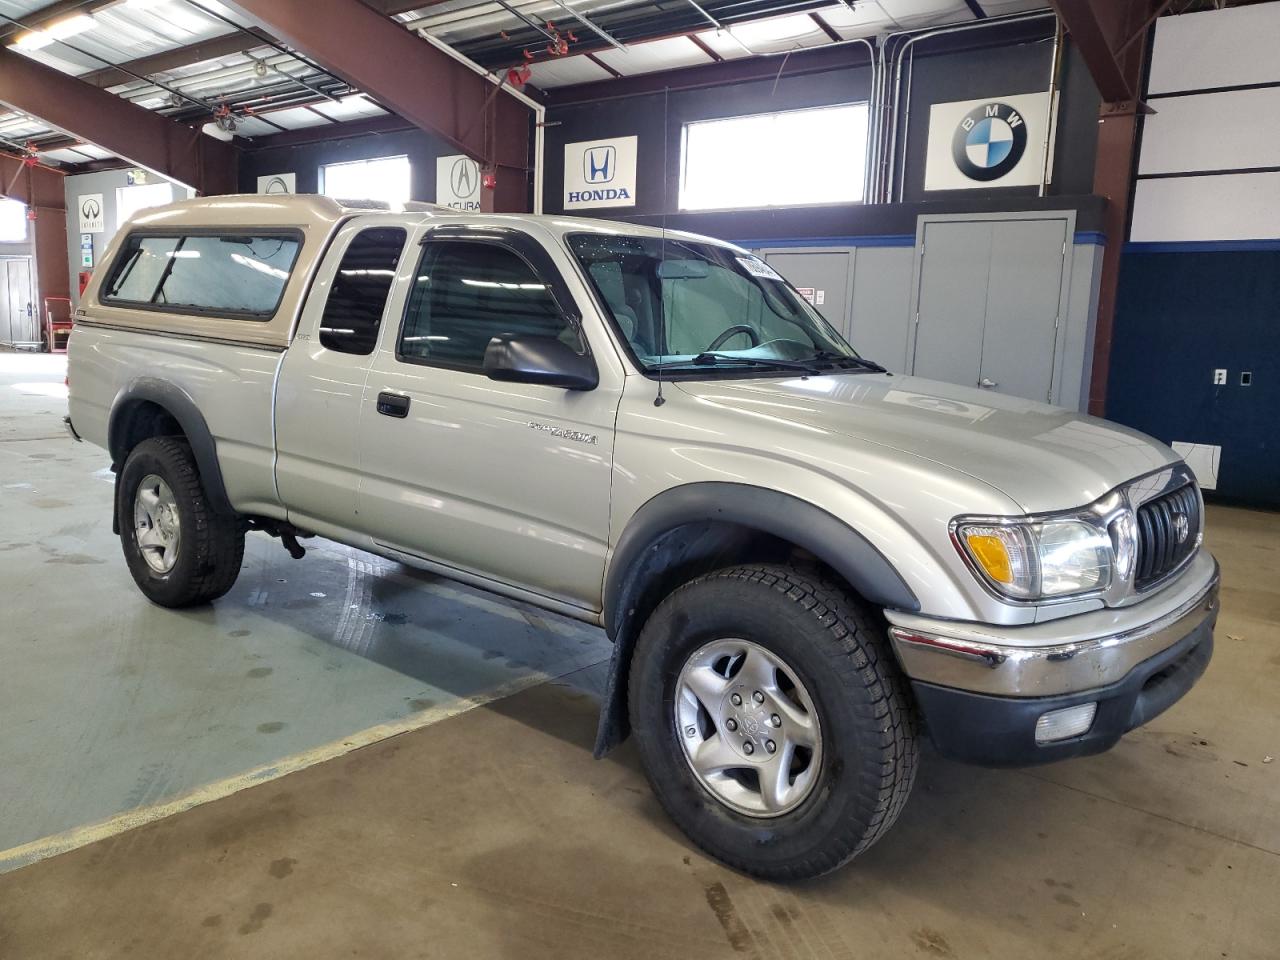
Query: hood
x=1043, y=458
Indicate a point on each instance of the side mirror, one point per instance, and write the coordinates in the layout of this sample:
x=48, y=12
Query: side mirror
x=529, y=358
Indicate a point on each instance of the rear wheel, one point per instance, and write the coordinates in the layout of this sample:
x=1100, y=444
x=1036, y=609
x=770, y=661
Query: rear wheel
x=774, y=725
x=180, y=551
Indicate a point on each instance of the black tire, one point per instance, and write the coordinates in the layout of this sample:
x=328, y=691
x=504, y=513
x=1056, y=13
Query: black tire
x=211, y=545
x=838, y=650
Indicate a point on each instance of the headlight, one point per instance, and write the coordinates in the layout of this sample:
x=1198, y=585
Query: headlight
x=1038, y=559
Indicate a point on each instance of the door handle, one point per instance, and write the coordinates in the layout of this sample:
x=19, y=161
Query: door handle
x=393, y=405
x=987, y=383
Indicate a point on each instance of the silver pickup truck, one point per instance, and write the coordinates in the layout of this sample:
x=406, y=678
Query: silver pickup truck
x=803, y=560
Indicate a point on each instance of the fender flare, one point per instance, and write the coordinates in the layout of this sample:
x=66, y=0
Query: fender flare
x=767, y=511
x=179, y=405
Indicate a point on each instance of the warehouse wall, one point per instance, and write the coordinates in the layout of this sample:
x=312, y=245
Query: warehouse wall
x=1200, y=279
x=1015, y=60
x=105, y=183
x=306, y=158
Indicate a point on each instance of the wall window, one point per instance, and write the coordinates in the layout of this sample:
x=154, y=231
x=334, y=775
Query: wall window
x=468, y=293
x=13, y=221
x=233, y=275
x=358, y=296
x=384, y=178
x=783, y=159
x=132, y=200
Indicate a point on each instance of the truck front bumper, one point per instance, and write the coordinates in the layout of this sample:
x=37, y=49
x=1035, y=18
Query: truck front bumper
x=1016, y=696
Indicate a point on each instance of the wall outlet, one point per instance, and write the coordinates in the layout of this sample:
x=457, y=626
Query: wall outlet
x=1246, y=378
x=1220, y=378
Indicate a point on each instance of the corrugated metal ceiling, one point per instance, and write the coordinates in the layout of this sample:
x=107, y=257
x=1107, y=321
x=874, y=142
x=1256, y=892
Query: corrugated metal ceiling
x=262, y=87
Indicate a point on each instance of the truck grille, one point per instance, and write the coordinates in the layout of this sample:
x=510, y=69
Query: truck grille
x=1168, y=533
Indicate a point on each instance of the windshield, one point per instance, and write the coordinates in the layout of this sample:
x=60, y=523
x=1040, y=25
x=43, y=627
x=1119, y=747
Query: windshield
x=688, y=306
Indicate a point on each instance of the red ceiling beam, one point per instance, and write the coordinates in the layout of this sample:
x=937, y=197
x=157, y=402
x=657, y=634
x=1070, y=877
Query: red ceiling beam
x=36, y=186
x=42, y=190
x=409, y=76
x=133, y=133
x=1111, y=37
x=1100, y=30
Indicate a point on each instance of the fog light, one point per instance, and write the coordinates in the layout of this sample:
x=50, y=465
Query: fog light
x=1066, y=723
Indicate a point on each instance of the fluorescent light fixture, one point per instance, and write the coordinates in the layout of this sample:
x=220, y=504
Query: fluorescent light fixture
x=35, y=40
x=70, y=26
x=58, y=30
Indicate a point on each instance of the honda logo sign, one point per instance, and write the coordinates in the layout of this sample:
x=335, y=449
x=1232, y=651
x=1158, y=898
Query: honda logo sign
x=600, y=173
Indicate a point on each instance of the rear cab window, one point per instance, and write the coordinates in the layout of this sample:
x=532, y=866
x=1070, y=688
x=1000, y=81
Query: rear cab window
x=358, y=295
x=234, y=273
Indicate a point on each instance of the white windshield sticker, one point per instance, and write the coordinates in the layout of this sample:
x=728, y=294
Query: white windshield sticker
x=758, y=268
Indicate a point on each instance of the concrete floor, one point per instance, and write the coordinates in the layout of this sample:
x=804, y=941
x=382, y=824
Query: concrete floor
x=494, y=834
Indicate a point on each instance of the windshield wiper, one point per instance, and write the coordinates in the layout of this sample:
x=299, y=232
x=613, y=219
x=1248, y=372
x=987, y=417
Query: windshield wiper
x=861, y=362
x=709, y=359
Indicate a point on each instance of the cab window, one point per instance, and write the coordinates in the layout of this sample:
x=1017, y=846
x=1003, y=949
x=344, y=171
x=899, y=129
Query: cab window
x=468, y=292
x=359, y=291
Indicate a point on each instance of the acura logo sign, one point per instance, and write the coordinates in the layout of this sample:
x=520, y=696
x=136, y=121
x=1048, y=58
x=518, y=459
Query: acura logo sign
x=464, y=178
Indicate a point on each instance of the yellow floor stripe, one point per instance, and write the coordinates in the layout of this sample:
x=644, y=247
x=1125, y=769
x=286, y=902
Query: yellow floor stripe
x=37, y=850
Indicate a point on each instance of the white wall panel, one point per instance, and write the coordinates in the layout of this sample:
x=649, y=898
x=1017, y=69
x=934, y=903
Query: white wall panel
x=1242, y=206
x=1217, y=48
x=1235, y=130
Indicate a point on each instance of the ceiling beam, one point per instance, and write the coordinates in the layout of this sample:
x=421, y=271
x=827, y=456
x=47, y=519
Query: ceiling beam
x=706, y=48
x=602, y=65
x=133, y=133
x=825, y=27
x=1100, y=28
x=37, y=186
x=409, y=76
x=1111, y=37
x=225, y=45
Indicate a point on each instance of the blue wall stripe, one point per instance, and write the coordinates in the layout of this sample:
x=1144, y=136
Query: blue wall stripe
x=1091, y=236
x=1202, y=246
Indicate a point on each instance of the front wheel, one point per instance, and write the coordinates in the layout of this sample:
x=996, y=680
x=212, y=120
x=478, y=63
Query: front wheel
x=773, y=724
x=180, y=551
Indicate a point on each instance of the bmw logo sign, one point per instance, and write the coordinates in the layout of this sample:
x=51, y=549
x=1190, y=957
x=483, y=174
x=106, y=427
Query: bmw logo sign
x=989, y=141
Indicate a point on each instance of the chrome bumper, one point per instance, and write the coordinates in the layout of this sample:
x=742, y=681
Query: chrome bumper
x=1059, y=657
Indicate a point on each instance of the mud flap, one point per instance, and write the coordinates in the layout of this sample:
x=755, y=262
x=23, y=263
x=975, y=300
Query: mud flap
x=614, y=726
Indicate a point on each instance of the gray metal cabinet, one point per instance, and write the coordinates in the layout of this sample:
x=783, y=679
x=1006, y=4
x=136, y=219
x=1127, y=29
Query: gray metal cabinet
x=990, y=297
x=822, y=276
x=864, y=292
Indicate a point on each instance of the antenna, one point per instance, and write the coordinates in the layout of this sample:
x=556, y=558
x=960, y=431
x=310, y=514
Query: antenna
x=659, y=400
